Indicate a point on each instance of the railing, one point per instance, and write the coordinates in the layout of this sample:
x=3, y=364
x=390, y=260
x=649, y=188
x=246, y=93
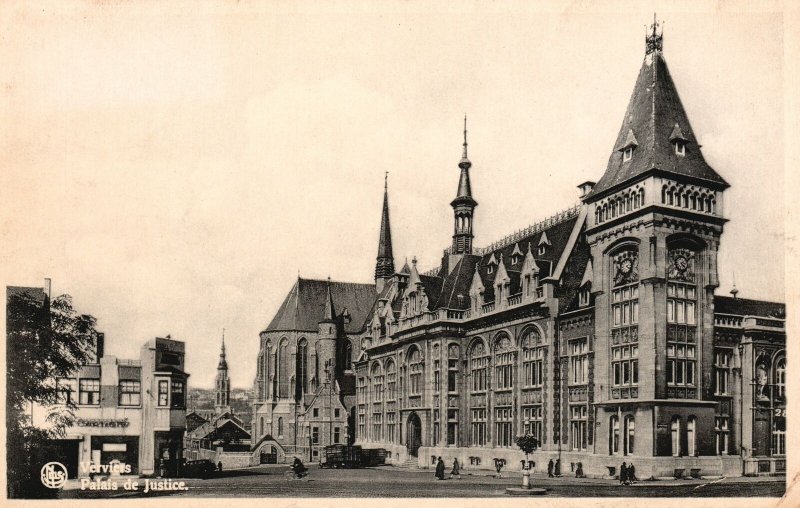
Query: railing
x=487, y=307
x=515, y=299
x=728, y=320
x=554, y=219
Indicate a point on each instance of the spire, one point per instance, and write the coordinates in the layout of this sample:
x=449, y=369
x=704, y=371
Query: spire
x=330, y=312
x=223, y=363
x=384, y=267
x=463, y=206
x=654, y=122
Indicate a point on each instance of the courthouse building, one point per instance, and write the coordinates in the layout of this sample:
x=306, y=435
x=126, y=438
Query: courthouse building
x=598, y=330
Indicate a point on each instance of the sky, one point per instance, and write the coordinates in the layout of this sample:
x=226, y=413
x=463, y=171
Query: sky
x=175, y=167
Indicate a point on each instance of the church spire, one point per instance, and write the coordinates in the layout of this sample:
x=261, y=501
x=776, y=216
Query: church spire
x=222, y=383
x=384, y=267
x=330, y=312
x=463, y=205
x=223, y=363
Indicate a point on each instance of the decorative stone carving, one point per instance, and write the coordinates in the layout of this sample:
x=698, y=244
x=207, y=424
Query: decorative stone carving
x=626, y=267
x=681, y=265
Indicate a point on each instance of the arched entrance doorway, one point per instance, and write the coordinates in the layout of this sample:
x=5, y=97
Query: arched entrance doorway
x=413, y=434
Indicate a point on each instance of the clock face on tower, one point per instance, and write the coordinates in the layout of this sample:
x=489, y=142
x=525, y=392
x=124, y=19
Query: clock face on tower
x=681, y=265
x=625, y=267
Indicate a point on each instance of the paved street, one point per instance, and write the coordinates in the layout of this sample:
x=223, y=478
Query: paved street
x=269, y=481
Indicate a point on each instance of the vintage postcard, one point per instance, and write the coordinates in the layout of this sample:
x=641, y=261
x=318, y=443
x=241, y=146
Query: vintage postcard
x=524, y=251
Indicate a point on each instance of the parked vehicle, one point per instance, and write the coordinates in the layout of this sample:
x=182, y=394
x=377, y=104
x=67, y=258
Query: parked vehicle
x=202, y=468
x=344, y=456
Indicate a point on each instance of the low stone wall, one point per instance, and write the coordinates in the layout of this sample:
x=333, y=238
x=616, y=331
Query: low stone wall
x=594, y=466
x=230, y=460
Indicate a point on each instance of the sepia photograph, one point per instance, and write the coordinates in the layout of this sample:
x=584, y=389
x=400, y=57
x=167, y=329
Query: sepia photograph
x=294, y=250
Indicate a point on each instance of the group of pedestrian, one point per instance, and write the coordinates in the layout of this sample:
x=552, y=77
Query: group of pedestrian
x=627, y=474
x=554, y=468
x=455, y=473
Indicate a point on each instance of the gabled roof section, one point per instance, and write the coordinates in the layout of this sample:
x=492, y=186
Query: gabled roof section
x=304, y=306
x=653, y=112
x=747, y=307
x=458, y=282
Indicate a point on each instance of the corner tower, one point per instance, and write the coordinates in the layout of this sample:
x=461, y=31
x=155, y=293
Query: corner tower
x=463, y=206
x=654, y=225
x=384, y=267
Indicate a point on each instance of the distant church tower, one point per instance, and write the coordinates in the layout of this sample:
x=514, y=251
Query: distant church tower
x=222, y=384
x=384, y=267
x=463, y=210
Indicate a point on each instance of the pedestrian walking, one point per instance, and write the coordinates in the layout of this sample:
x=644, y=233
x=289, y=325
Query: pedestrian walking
x=456, y=469
x=579, y=471
x=632, y=473
x=557, y=471
x=550, y=469
x=623, y=474
x=440, y=469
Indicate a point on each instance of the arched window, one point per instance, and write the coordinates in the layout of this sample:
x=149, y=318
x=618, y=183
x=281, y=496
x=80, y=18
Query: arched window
x=701, y=203
x=613, y=435
x=641, y=197
x=664, y=194
x=416, y=369
x=302, y=366
x=691, y=436
x=280, y=426
x=479, y=374
x=780, y=379
x=693, y=201
x=377, y=383
x=267, y=372
x=675, y=431
x=391, y=380
x=504, y=363
x=630, y=432
x=283, y=369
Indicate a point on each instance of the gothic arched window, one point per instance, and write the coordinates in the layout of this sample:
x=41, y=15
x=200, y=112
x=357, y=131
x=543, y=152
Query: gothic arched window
x=283, y=369
x=302, y=366
x=630, y=433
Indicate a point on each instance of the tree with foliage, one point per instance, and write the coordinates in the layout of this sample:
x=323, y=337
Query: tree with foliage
x=527, y=444
x=46, y=341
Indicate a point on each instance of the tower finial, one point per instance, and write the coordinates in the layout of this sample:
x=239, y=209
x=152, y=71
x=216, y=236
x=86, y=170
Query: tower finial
x=385, y=181
x=734, y=291
x=464, y=156
x=654, y=41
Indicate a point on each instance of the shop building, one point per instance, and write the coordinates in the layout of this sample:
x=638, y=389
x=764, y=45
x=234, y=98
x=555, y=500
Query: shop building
x=131, y=413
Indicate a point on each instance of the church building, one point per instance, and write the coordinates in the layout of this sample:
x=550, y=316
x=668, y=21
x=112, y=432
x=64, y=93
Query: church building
x=597, y=330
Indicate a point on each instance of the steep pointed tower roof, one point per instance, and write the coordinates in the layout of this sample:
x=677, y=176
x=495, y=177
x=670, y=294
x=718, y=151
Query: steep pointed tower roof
x=330, y=311
x=464, y=193
x=654, y=121
x=384, y=267
x=223, y=363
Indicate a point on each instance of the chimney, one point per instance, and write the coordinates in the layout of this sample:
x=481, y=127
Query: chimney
x=586, y=188
x=47, y=286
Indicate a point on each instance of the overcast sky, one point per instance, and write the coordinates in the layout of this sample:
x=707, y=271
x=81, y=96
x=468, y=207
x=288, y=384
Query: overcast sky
x=175, y=170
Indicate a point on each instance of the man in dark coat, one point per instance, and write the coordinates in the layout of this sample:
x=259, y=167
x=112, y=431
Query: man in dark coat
x=623, y=474
x=550, y=469
x=631, y=473
x=440, y=469
x=557, y=471
x=456, y=468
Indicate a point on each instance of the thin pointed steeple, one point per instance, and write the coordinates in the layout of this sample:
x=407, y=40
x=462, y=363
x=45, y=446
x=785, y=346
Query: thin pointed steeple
x=222, y=383
x=654, y=123
x=463, y=205
x=384, y=266
x=223, y=363
x=330, y=311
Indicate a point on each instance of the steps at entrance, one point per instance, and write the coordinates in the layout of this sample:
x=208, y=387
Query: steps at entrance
x=410, y=463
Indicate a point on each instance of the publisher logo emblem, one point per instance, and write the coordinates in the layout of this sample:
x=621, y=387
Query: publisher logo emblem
x=54, y=475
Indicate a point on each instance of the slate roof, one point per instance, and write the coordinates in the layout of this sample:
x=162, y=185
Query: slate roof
x=746, y=307
x=304, y=306
x=653, y=112
x=458, y=282
x=558, y=235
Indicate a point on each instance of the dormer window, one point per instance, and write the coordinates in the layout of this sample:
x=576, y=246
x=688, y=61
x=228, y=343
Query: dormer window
x=542, y=250
x=680, y=147
x=490, y=269
x=584, y=294
x=627, y=154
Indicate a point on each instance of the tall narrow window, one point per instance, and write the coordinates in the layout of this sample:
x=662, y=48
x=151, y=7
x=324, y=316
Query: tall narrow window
x=533, y=353
x=691, y=436
x=779, y=435
x=613, y=437
x=579, y=361
x=283, y=369
x=675, y=432
x=578, y=423
x=504, y=427
x=302, y=366
x=780, y=379
x=682, y=324
x=280, y=426
x=391, y=380
x=722, y=371
x=625, y=324
x=630, y=434
x=478, y=427
x=721, y=428
x=532, y=421
x=452, y=427
x=479, y=367
x=163, y=393
x=415, y=372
